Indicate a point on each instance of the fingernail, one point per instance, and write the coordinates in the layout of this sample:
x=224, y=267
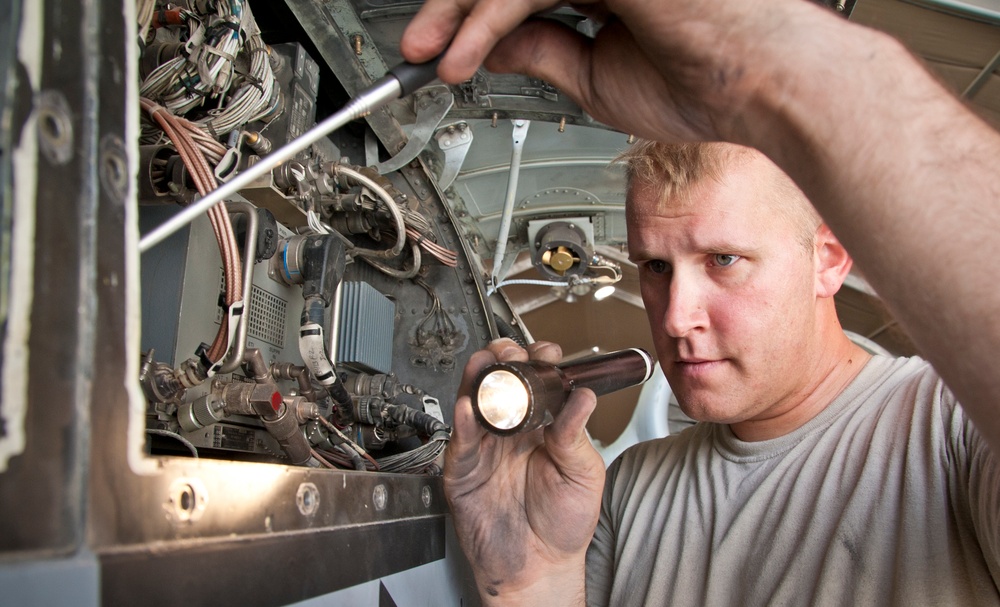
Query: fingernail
x=512, y=351
x=545, y=347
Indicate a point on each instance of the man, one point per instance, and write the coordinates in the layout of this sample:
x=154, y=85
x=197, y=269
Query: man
x=824, y=477
x=904, y=181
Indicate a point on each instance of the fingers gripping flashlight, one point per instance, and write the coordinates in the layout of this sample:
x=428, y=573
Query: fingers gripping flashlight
x=513, y=397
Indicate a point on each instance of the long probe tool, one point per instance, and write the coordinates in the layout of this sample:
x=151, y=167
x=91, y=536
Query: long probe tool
x=400, y=81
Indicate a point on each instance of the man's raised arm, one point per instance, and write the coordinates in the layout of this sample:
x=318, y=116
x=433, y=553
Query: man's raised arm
x=894, y=163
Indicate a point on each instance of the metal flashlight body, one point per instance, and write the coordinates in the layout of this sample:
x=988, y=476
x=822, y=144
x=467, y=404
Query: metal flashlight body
x=514, y=397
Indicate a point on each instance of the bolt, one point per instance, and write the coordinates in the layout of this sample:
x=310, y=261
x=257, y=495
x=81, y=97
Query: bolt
x=630, y=140
x=357, y=39
x=562, y=124
x=380, y=497
x=493, y=123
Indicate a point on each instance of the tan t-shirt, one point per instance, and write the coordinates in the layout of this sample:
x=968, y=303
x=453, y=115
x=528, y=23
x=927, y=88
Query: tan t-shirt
x=888, y=497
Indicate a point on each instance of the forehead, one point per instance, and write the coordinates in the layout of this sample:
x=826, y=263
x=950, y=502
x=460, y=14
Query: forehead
x=748, y=199
x=744, y=185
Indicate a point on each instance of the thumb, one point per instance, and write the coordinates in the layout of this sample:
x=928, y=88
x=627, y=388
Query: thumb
x=568, y=433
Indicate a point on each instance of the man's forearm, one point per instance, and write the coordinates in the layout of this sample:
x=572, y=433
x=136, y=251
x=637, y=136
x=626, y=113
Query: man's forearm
x=902, y=173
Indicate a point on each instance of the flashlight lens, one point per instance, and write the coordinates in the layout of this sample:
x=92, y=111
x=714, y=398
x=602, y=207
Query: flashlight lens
x=502, y=400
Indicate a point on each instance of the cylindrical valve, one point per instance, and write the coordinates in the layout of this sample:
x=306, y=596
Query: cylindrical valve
x=201, y=412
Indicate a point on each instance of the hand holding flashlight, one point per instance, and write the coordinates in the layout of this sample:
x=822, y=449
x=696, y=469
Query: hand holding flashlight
x=525, y=506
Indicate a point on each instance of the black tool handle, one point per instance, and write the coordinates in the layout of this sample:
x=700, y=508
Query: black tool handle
x=412, y=76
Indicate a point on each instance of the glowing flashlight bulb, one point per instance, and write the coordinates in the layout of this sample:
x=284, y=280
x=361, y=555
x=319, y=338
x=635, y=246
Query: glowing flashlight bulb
x=503, y=399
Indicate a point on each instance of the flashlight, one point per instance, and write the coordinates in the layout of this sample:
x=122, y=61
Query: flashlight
x=513, y=397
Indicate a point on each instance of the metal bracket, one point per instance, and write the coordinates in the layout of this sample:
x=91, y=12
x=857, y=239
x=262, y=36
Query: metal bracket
x=454, y=140
x=540, y=89
x=433, y=104
x=519, y=134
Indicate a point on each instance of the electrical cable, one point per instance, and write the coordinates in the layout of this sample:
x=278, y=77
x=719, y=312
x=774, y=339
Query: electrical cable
x=400, y=274
x=175, y=436
x=321, y=459
x=384, y=196
x=346, y=441
x=144, y=17
x=201, y=173
x=401, y=80
x=441, y=324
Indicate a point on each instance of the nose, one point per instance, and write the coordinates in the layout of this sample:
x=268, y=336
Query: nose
x=686, y=310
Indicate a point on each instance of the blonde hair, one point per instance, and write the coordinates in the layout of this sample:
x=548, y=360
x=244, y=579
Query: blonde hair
x=670, y=171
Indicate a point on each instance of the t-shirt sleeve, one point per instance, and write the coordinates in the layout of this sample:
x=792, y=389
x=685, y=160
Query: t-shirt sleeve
x=601, y=553
x=984, y=497
x=977, y=470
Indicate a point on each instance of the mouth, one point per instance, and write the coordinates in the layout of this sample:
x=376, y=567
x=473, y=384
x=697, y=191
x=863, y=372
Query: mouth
x=695, y=367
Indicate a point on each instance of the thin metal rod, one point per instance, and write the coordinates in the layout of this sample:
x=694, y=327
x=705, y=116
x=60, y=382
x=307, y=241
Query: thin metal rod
x=384, y=90
x=519, y=135
x=980, y=79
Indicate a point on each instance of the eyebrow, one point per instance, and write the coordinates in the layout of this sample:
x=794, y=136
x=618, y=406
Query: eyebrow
x=730, y=249
x=710, y=249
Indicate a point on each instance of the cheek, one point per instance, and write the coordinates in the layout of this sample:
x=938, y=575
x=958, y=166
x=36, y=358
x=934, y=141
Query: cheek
x=746, y=320
x=771, y=318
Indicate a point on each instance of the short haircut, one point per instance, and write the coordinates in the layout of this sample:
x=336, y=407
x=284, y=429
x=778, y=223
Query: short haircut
x=670, y=171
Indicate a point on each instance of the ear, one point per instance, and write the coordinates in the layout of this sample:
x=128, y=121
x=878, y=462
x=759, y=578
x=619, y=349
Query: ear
x=832, y=262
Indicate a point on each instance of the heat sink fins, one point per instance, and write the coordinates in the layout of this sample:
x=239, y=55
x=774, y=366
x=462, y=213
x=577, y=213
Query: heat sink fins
x=364, y=321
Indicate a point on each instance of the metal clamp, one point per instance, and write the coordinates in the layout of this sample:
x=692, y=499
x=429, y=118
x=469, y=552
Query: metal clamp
x=455, y=141
x=432, y=106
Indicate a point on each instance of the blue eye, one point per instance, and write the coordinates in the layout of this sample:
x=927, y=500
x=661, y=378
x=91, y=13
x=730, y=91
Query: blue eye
x=724, y=260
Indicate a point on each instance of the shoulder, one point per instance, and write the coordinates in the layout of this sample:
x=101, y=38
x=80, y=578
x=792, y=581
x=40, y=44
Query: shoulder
x=907, y=386
x=908, y=402
x=913, y=381
x=891, y=373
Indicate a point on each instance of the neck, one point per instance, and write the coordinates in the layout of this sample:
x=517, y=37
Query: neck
x=831, y=373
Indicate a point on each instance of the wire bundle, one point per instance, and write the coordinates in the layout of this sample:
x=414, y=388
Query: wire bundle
x=214, y=63
x=445, y=256
x=195, y=150
x=349, y=454
x=419, y=460
x=407, y=224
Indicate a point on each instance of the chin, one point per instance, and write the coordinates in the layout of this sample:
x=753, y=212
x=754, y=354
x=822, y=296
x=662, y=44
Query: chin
x=708, y=412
